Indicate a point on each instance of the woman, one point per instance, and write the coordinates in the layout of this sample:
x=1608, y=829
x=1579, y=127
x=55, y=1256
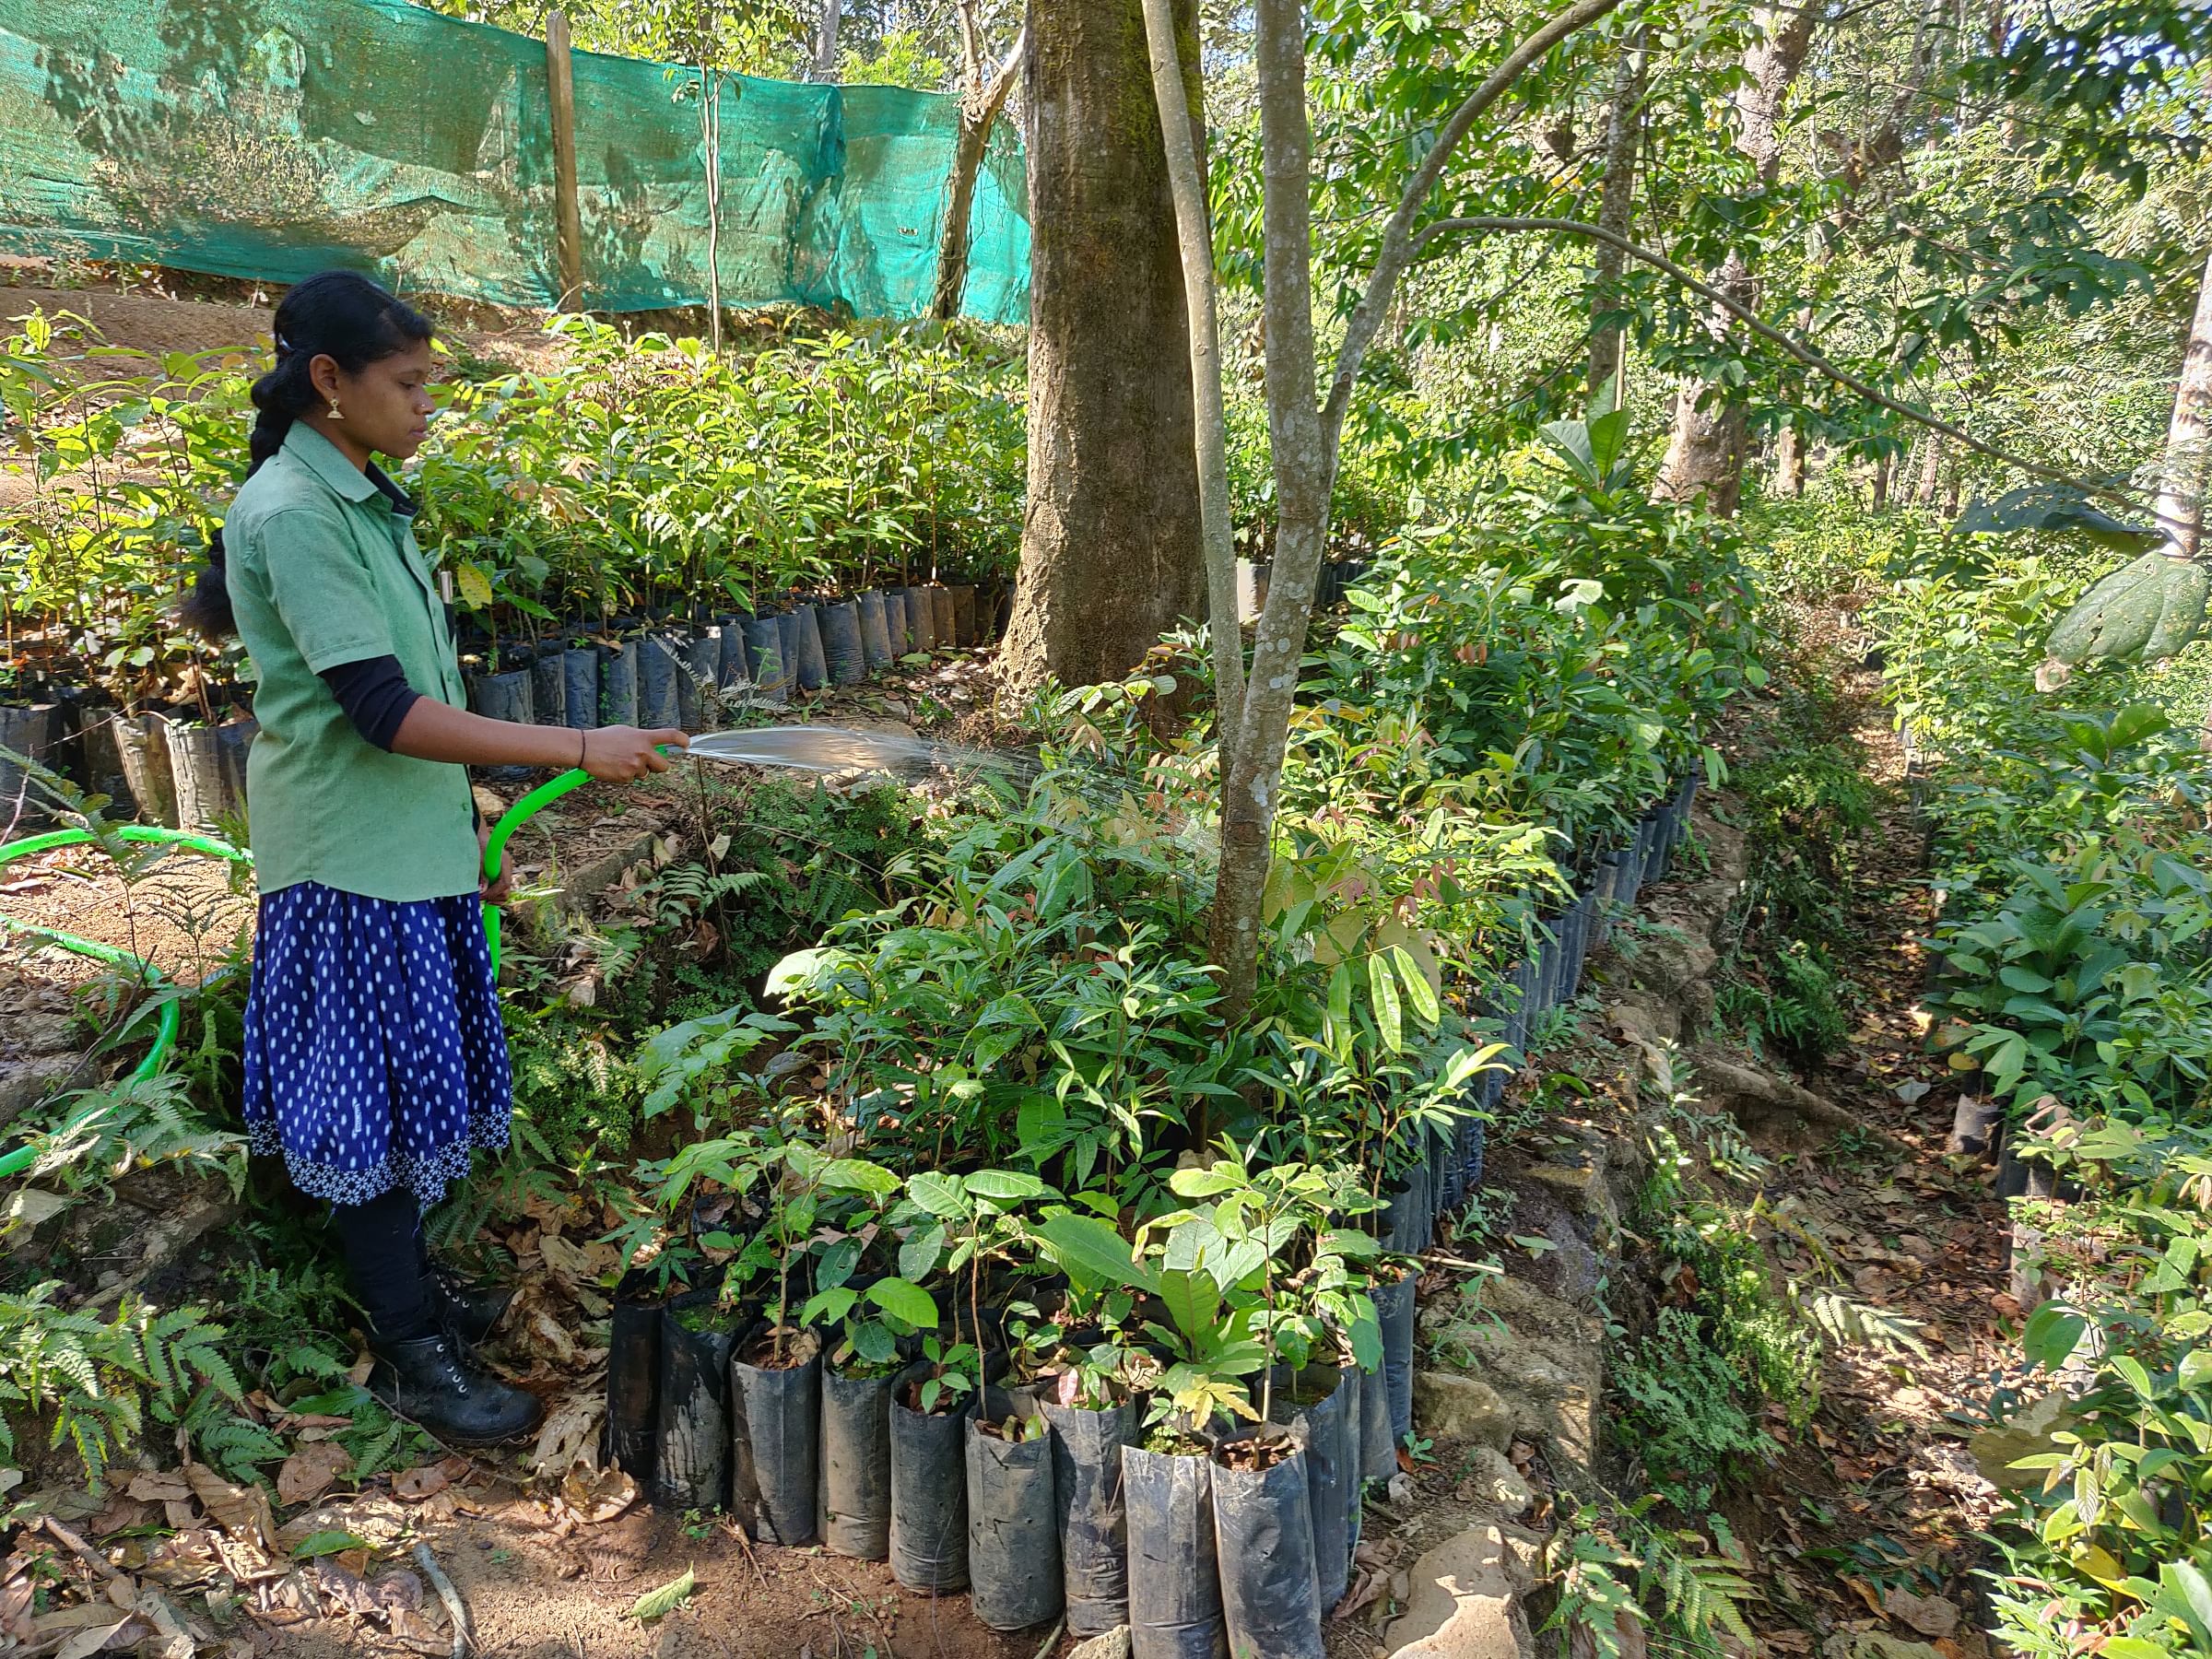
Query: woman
x=375, y=1058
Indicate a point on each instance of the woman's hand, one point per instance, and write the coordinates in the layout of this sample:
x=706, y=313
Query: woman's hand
x=623, y=754
x=493, y=892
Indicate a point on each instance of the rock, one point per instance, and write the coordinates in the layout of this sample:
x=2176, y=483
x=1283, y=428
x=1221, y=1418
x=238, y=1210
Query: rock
x=1465, y=1602
x=1115, y=1644
x=2027, y=1432
x=1399, y=1490
x=1776, y=1105
x=1491, y=1479
x=1645, y=1021
x=1449, y=1406
x=1667, y=961
x=25, y=1082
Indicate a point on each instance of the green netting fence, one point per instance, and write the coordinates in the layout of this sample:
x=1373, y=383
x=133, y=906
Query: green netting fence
x=272, y=138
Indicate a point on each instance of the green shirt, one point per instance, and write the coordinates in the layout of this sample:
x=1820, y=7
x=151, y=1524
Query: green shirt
x=323, y=571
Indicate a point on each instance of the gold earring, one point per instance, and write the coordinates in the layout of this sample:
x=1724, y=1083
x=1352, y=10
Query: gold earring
x=336, y=413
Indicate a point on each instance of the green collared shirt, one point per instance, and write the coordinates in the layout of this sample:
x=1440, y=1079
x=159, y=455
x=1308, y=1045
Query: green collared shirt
x=323, y=571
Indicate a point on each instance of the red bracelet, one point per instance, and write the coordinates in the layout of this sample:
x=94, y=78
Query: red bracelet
x=583, y=746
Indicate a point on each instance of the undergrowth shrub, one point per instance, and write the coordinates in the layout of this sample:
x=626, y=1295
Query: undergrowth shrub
x=1808, y=804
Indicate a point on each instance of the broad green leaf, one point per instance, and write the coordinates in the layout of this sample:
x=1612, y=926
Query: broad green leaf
x=1005, y=1186
x=858, y=1175
x=939, y=1194
x=1191, y=1301
x=1201, y=1183
x=918, y=1255
x=326, y=1544
x=1383, y=985
x=2050, y=1334
x=906, y=1301
x=826, y=1307
x=1091, y=1251
x=1419, y=994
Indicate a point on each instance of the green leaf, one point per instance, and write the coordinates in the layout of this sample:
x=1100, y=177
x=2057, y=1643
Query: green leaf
x=1382, y=984
x=1420, y=995
x=1190, y=1300
x=1090, y=1250
x=906, y=1301
x=326, y=1544
x=1201, y=1183
x=1005, y=1186
x=858, y=1175
x=826, y=1307
x=918, y=1256
x=941, y=1196
x=2050, y=1334
x=794, y=973
x=2196, y=1369
x=658, y=1604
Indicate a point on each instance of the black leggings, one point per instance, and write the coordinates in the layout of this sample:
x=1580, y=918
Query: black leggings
x=388, y=1260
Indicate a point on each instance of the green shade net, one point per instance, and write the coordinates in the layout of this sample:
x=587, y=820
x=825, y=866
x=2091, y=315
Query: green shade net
x=273, y=139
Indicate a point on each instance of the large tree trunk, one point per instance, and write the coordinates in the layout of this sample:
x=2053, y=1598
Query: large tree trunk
x=1110, y=548
x=1616, y=200
x=1705, y=456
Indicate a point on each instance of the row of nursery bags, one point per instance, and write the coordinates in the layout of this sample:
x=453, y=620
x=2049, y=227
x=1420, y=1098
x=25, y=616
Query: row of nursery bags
x=189, y=773
x=1037, y=1508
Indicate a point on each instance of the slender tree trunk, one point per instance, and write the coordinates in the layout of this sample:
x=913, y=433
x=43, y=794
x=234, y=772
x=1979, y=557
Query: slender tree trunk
x=1883, y=467
x=1303, y=474
x=1173, y=66
x=825, y=39
x=1789, y=462
x=1931, y=471
x=2188, y=467
x=1616, y=200
x=979, y=107
x=1111, y=545
x=1705, y=456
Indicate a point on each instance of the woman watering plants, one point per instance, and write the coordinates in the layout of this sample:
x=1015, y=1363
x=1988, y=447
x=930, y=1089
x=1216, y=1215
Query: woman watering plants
x=375, y=1058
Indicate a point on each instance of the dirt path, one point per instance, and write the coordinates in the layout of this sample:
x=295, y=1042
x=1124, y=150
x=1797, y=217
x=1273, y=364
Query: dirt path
x=1868, y=1526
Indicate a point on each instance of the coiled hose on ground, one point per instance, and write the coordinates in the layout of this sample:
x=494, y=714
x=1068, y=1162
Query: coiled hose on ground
x=165, y=1032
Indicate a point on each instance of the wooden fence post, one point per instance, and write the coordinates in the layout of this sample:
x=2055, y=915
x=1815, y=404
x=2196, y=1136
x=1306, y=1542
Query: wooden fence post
x=568, y=217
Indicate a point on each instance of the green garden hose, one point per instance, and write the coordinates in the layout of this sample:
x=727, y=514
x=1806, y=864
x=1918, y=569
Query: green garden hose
x=513, y=819
x=165, y=1032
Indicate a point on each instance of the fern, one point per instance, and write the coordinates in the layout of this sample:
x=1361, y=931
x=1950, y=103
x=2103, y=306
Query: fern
x=1848, y=1324
x=99, y=1376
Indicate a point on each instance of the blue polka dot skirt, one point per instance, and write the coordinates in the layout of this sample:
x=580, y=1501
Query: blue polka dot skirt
x=374, y=1054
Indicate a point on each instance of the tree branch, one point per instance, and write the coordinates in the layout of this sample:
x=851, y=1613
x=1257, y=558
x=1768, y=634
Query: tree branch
x=1399, y=243
x=1804, y=353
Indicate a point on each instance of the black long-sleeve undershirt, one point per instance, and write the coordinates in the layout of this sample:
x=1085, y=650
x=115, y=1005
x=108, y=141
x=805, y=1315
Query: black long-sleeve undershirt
x=375, y=695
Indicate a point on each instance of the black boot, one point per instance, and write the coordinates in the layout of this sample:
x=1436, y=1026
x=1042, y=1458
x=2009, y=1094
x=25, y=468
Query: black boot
x=428, y=1381
x=466, y=1312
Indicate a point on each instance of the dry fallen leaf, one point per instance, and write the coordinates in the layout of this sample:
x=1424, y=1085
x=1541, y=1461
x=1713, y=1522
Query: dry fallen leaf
x=571, y=1433
x=158, y=1487
x=1930, y=1615
x=309, y=1471
x=417, y=1483
x=240, y=1511
x=90, y=1640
